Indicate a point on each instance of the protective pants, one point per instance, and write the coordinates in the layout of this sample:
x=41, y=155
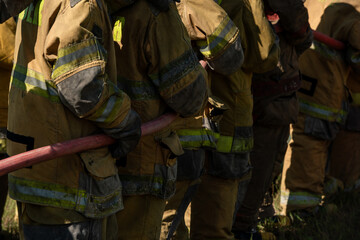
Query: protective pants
x=3, y=195
x=269, y=141
x=213, y=206
x=90, y=229
x=4, y=178
x=141, y=217
x=345, y=159
x=303, y=174
x=182, y=232
x=190, y=167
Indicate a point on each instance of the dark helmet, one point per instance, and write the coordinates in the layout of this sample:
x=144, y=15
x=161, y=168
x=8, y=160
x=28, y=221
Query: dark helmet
x=11, y=8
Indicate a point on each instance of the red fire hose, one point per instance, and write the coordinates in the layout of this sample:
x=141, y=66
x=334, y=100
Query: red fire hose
x=42, y=154
x=320, y=37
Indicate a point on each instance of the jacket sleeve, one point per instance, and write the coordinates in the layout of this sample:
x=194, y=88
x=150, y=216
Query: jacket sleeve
x=173, y=66
x=215, y=34
x=353, y=51
x=82, y=57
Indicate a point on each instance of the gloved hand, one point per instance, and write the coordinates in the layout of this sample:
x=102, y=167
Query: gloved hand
x=162, y=5
x=127, y=136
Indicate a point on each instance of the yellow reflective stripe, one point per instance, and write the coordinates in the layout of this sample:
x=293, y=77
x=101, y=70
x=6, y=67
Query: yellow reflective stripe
x=321, y=111
x=196, y=138
x=48, y=194
x=242, y=145
x=109, y=111
x=33, y=14
x=219, y=39
x=218, y=1
x=33, y=82
x=72, y=57
x=326, y=51
x=118, y=27
x=224, y=144
x=356, y=98
x=299, y=199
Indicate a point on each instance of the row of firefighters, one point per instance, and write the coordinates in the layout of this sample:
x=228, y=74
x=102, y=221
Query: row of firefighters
x=237, y=73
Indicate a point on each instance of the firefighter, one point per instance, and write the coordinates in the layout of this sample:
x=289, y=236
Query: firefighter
x=227, y=168
x=324, y=105
x=161, y=73
x=63, y=86
x=275, y=107
x=217, y=41
x=344, y=156
x=7, y=43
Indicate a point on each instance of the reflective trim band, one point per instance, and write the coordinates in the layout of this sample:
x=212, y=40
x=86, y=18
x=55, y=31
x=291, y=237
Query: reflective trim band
x=33, y=14
x=299, y=199
x=117, y=29
x=109, y=111
x=175, y=70
x=48, y=194
x=219, y=39
x=138, y=90
x=31, y=81
x=321, y=111
x=326, y=51
x=72, y=57
x=227, y=144
x=355, y=58
x=142, y=185
x=242, y=145
x=356, y=98
x=196, y=138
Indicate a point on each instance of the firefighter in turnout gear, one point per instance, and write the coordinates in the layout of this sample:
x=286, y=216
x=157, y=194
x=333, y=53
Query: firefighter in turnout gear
x=217, y=40
x=324, y=105
x=227, y=166
x=7, y=44
x=275, y=107
x=63, y=86
x=160, y=72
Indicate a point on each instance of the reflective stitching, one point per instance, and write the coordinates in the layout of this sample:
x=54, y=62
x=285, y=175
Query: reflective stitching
x=33, y=82
x=218, y=40
x=322, y=112
x=76, y=55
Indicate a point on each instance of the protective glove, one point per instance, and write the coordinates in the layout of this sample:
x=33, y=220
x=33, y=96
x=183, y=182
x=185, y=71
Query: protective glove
x=127, y=136
x=162, y=5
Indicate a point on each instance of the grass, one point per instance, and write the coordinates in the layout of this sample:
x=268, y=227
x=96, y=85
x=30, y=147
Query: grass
x=10, y=221
x=337, y=219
